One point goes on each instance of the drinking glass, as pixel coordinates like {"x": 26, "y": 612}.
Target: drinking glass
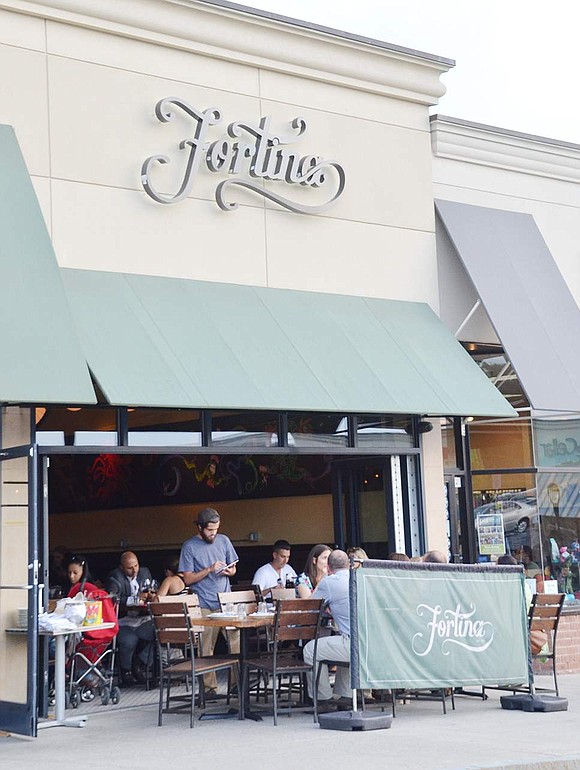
{"x": 230, "y": 608}
{"x": 242, "y": 611}
{"x": 262, "y": 608}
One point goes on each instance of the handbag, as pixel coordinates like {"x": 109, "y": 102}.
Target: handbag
{"x": 537, "y": 641}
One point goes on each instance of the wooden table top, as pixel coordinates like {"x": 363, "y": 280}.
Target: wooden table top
{"x": 232, "y": 621}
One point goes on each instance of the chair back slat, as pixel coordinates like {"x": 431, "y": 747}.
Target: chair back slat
{"x": 297, "y": 619}
{"x": 306, "y": 633}
{"x": 541, "y": 611}
{"x": 238, "y": 597}
{"x": 283, "y": 593}
{"x": 173, "y": 624}
{"x": 173, "y": 636}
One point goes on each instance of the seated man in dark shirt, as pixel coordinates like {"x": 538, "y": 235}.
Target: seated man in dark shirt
{"x": 126, "y": 582}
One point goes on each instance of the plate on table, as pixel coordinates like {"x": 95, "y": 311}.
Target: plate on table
{"x": 263, "y": 614}
{"x": 222, "y": 615}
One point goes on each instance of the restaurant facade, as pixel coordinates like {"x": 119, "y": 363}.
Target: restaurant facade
{"x": 243, "y": 267}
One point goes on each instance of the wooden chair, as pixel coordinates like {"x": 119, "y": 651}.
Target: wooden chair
{"x": 544, "y": 615}
{"x": 173, "y": 627}
{"x": 238, "y": 597}
{"x": 283, "y": 593}
{"x": 295, "y": 620}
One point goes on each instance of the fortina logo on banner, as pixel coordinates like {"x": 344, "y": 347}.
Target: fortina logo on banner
{"x": 254, "y": 151}
{"x": 452, "y": 627}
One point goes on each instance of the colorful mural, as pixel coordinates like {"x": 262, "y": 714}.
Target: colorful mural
{"x": 106, "y": 481}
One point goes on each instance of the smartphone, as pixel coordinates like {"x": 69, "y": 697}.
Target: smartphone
{"x": 227, "y": 566}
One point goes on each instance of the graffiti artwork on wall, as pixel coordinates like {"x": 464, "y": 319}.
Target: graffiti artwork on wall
{"x": 106, "y": 481}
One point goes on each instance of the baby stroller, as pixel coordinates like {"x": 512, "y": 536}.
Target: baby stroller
{"x": 91, "y": 667}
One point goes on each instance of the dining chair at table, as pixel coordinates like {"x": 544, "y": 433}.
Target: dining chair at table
{"x": 296, "y": 620}
{"x": 174, "y": 629}
{"x": 283, "y": 593}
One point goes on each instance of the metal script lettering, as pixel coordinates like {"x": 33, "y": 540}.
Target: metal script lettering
{"x": 254, "y": 152}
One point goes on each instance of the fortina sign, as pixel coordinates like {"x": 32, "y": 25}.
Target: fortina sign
{"x": 252, "y": 152}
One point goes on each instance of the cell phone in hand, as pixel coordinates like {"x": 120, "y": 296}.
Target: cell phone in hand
{"x": 223, "y": 569}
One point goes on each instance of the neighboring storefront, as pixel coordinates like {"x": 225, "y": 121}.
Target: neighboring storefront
{"x": 508, "y": 255}
{"x": 234, "y": 292}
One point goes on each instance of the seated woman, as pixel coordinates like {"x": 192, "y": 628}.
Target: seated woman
{"x": 314, "y": 570}
{"x": 92, "y": 643}
{"x": 173, "y": 583}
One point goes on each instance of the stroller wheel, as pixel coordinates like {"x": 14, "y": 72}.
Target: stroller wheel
{"x": 87, "y": 695}
{"x": 105, "y": 696}
{"x": 115, "y": 695}
{"x": 74, "y": 699}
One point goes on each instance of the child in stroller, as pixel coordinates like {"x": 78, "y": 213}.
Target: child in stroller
{"x": 91, "y": 665}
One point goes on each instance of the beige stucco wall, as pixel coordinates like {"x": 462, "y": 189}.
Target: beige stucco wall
{"x": 82, "y": 95}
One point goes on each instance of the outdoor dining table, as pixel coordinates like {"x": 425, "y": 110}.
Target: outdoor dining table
{"x": 60, "y": 676}
{"x": 246, "y": 624}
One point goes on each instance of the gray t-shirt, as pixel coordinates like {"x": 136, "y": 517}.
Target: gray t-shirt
{"x": 334, "y": 590}
{"x": 196, "y": 554}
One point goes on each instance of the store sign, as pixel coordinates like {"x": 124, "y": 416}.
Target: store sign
{"x": 557, "y": 443}
{"x": 247, "y": 154}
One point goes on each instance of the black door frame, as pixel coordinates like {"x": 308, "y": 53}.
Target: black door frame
{"x": 344, "y": 489}
{"x": 22, "y": 718}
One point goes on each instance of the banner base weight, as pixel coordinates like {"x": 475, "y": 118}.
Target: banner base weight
{"x": 355, "y": 720}
{"x": 534, "y": 703}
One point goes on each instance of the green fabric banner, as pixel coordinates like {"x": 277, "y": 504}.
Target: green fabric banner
{"x": 437, "y": 625}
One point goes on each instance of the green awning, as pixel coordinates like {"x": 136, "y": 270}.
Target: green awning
{"x": 169, "y": 342}
{"x": 41, "y": 359}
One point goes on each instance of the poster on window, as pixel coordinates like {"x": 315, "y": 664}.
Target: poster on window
{"x": 490, "y": 534}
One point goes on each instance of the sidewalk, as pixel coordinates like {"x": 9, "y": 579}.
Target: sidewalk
{"x": 476, "y": 735}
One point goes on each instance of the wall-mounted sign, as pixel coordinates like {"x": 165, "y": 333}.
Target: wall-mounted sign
{"x": 247, "y": 154}
{"x": 557, "y": 443}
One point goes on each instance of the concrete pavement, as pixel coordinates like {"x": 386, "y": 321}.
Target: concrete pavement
{"x": 476, "y": 735}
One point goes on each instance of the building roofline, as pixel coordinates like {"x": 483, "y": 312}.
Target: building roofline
{"x": 308, "y": 25}
{"x": 502, "y": 131}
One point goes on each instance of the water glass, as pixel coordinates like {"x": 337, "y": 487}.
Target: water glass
{"x": 230, "y": 608}
{"x": 242, "y": 611}
{"x": 262, "y": 608}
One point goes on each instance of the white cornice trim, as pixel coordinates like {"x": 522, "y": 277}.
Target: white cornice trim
{"x": 500, "y": 148}
{"x": 265, "y": 41}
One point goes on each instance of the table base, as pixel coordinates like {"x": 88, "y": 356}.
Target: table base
{"x": 79, "y": 721}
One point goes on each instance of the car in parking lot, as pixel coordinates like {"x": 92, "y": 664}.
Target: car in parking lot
{"x": 518, "y": 515}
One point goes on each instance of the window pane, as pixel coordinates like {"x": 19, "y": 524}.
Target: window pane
{"x": 513, "y": 495}
{"x": 85, "y": 425}
{"x": 559, "y": 508}
{"x": 251, "y": 429}
{"x": 384, "y": 430}
{"x": 317, "y": 429}
{"x": 501, "y": 444}
{"x": 164, "y": 427}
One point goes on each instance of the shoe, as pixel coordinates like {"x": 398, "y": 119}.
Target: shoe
{"x": 326, "y": 706}
{"x": 126, "y": 679}
{"x": 343, "y": 704}
{"x": 139, "y": 672}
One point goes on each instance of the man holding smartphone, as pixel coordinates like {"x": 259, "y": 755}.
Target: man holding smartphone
{"x": 207, "y": 561}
